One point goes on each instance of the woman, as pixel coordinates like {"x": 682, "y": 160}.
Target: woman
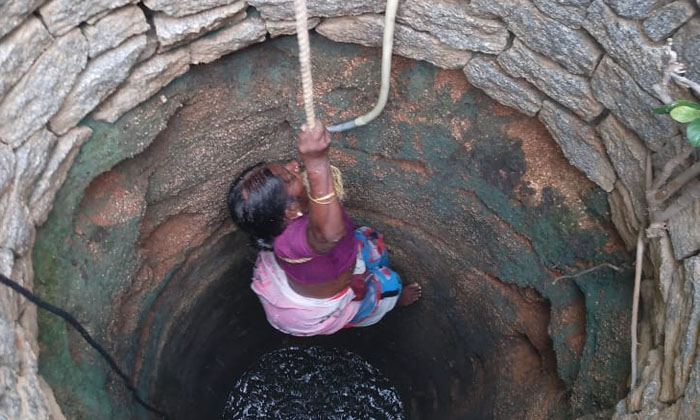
{"x": 314, "y": 274}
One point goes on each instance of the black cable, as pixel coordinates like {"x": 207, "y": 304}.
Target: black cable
{"x": 78, "y": 327}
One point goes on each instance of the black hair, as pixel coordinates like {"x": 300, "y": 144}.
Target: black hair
{"x": 257, "y": 201}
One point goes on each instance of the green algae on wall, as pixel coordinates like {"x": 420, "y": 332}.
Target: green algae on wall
{"x": 449, "y": 175}
{"x": 71, "y": 273}
{"x": 560, "y": 240}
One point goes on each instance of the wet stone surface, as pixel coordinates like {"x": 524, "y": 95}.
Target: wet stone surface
{"x": 477, "y": 203}
{"x": 313, "y": 383}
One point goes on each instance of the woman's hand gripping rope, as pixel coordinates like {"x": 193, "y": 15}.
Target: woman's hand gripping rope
{"x": 314, "y": 143}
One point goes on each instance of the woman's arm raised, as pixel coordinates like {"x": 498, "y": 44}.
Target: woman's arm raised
{"x": 326, "y": 225}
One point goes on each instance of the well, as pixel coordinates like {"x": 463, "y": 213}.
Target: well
{"x": 477, "y": 200}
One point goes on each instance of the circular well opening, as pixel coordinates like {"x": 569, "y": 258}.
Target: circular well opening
{"x": 476, "y": 202}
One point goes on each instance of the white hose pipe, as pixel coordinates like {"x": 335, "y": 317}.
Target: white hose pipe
{"x": 387, "y": 48}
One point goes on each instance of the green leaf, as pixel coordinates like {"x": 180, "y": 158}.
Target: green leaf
{"x": 692, "y": 131}
{"x": 665, "y": 109}
{"x": 684, "y": 114}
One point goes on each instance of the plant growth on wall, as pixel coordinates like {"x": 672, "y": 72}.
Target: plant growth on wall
{"x": 676, "y": 186}
{"x": 685, "y": 112}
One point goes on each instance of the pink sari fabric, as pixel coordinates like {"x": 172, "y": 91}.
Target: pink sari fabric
{"x": 295, "y": 314}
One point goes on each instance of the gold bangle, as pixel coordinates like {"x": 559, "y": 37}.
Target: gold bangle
{"x": 294, "y": 261}
{"x": 326, "y": 199}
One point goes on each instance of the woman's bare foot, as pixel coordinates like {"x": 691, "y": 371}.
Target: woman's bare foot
{"x": 410, "y": 294}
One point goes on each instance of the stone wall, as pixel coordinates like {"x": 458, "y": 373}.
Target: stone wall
{"x": 586, "y": 69}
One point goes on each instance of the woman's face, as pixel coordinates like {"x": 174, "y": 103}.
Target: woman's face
{"x": 290, "y": 172}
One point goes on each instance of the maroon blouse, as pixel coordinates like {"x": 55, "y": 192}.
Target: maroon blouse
{"x": 302, "y": 264}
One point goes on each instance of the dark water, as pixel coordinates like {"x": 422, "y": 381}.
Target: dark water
{"x": 313, "y": 383}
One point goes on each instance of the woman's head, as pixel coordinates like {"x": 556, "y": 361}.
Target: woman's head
{"x": 264, "y": 198}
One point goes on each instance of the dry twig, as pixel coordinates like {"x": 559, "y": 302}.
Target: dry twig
{"x": 670, "y": 166}
{"x": 657, "y": 197}
{"x": 659, "y": 190}
{"x": 588, "y": 270}
{"x": 635, "y": 304}
{"x": 683, "y": 81}
{"x": 686, "y": 199}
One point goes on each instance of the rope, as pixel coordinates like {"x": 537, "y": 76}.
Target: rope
{"x": 305, "y": 61}
{"x": 83, "y": 332}
{"x": 301, "y": 16}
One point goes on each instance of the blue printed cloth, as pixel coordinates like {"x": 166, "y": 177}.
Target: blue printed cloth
{"x": 383, "y": 284}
